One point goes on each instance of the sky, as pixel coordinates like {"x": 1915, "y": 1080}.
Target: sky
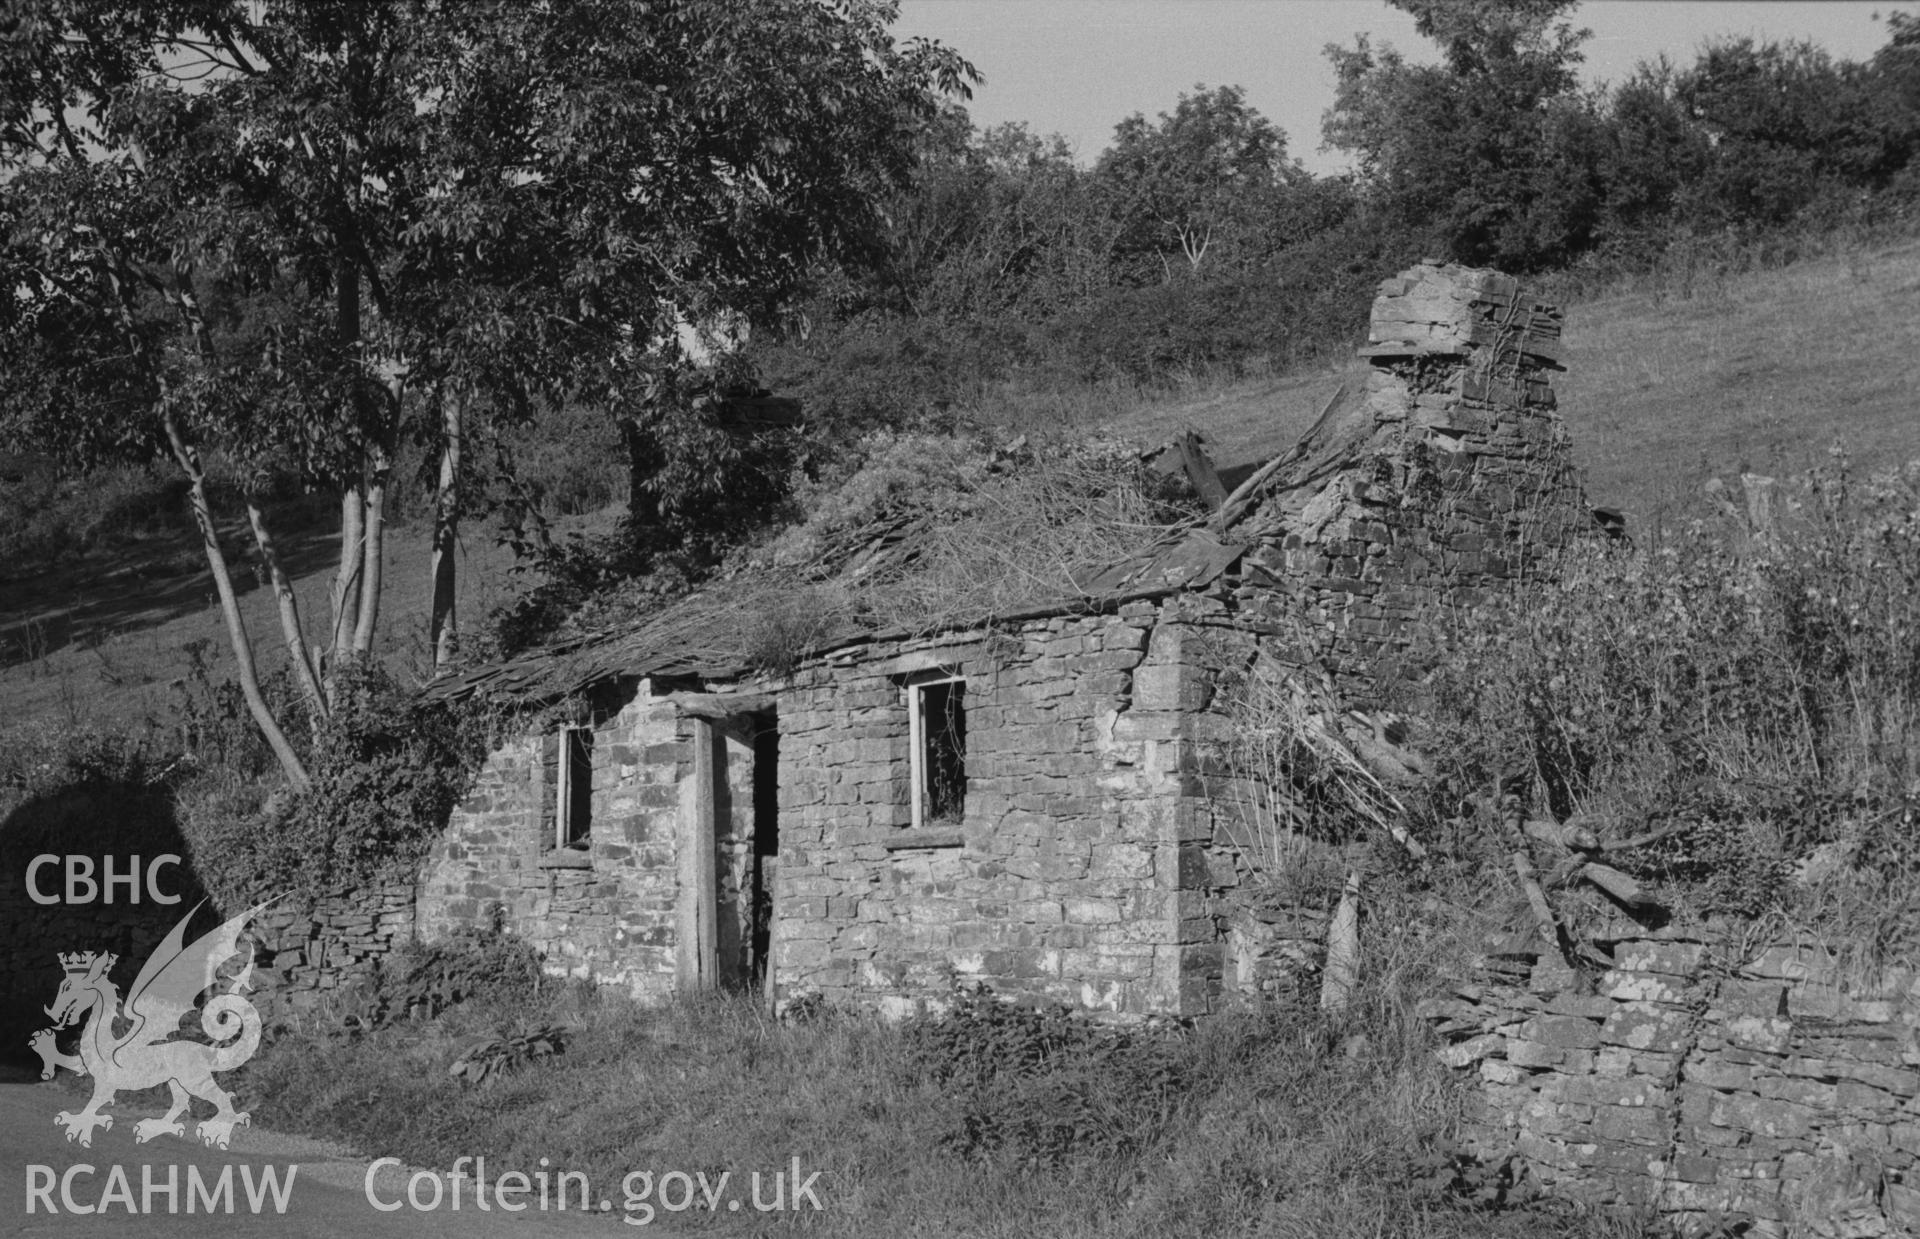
{"x": 1077, "y": 67}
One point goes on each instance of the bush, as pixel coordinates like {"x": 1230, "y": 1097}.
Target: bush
{"x": 387, "y": 770}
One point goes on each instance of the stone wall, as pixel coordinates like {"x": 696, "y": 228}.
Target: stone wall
{"x": 1702, "y": 1079}
{"x": 608, "y": 913}
{"x": 1070, "y": 876}
{"x": 304, "y": 953}
{"x": 1447, "y": 477}
{"x": 1258, "y": 893}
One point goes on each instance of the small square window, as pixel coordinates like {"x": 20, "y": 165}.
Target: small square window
{"x": 937, "y": 712}
{"x": 567, "y": 805}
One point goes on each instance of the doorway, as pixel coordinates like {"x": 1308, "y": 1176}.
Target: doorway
{"x": 730, "y": 850}
{"x": 765, "y": 860}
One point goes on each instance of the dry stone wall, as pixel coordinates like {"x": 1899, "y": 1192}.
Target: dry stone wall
{"x": 305, "y": 953}
{"x": 1704, "y": 1080}
{"x": 304, "y": 950}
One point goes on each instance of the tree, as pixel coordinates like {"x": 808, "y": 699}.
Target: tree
{"x": 1655, "y": 156}
{"x": 122, "y": 336}
{"x": 1787, "y": 123}
{"x": 1494, "y": 150}
{"x": 447, "y": 208}
{"x": 693, "y": 169}
{"x": 1198, "y": 182}
{"x": 1000, "y": 224}
{"x": 1896, "y": 76}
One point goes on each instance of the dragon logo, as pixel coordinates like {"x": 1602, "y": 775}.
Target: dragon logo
{"x": 149, "y": 1051}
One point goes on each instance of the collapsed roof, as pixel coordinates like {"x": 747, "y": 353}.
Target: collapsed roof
{"x": 1450, "y": 461}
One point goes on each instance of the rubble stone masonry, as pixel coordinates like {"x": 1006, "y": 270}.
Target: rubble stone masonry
{"x": 1448, "y": 477}
{"x": 1704, "y": 1079}
{"x": 608, "y": 913}
{"x": 1064, "y": 878}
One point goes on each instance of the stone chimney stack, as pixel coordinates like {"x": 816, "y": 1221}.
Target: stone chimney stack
{"x": 1448, "y": 476}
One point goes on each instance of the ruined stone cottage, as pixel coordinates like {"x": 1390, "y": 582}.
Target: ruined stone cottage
{"x": 1026, "y": 803}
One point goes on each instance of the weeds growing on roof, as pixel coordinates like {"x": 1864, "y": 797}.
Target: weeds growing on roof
{"x": 929, "y": 532}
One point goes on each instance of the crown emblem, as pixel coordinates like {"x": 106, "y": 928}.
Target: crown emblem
{"x": 81, "y": 961}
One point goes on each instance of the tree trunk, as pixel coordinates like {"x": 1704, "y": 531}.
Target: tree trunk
{"x": 349, "y": 583}
{"x": 443, "y": 632}
{"x": 188, "y": 458}
{"x": 189, "y": 461}
{"x": 290, "y": 629}
{"x": 373, "y": 544}
{"x": 346, "y": 591}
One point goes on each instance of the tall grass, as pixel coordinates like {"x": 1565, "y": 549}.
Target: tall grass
{"x": 1751, "y": 691}
{"x": 996, "y": 1121}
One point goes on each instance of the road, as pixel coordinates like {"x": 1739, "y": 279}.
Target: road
{"x": 327, "y": 1196}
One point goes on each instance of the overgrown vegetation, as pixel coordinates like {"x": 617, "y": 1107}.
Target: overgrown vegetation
{"x": 1748, "y": 694}
{"x": 388, "y": 768}
{"x": 1299, "y": 784}
{"x": 1000, "y": 1120}
{"x": 913, "y": 531}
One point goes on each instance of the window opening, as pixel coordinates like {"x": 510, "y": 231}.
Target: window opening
{"x": 569, "y": 761}
{"x": 938, "y": 712}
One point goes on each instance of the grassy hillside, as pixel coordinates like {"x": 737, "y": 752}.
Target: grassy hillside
{"x": 1760, "y": 371}
{"x": 106, "y": 635}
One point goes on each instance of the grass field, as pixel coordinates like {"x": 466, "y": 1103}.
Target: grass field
{"x": 105, "y": 637}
